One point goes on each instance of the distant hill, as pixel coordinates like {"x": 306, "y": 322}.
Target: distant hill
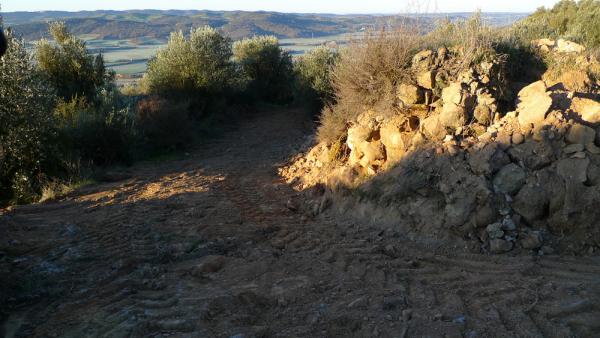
{"x": 158, "y": 24}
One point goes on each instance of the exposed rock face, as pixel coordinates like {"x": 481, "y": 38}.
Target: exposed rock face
{"x": 464, "y": 165}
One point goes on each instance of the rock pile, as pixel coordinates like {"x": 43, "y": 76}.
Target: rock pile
{"x": 527, "y": 179}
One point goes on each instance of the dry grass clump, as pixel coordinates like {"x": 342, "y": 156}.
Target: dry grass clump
{"x": 472, "y": 39}
{"x": 371, "y": 68}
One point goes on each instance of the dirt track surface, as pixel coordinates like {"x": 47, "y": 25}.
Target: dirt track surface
{"x": 206, "y": 247}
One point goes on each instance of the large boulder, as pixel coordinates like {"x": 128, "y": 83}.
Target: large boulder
{"x": 533, "y": 104}
{"x": 423, "y": 60}
{"x": 432, "y": 128}
{"x": 453, "y": 116}
{"x": 532, "y": 154}
{"x": 588, "y": 109}
{"x": 531, "y": 202}
{"x": 573, "y": 169}
{"x": 357, "y": 135}
{"x": 395, "y": 141}
{"x": 373, "y": 154}
{"x": 488, "y": 160}
{"x": 510, "y": 179}
{"x": 410, "y": 94}
{"x": 580, "y": 134}
{"x": 565, "y": 46}
{"x": 454, "y": 94}
{"x": 426, "y": 79}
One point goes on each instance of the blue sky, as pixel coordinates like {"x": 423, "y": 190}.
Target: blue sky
{"x": 298, "y": 6}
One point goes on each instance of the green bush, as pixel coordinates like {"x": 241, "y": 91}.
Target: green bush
{"x": 314, "y": 72}
{"x": 101, "y": 135}
{"x": 573, "y": 20}
{"x": 267, "y": 69}
{"x": 164, "y": 125}
{"x": 71, "y": 69}
{"x": 27, "y": 135}
{"x": 200, "y": 65}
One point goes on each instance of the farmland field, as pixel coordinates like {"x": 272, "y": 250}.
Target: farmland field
{"x": 129, "y": 57}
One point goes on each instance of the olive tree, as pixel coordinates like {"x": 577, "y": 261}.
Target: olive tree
{"x": 200, "y": 63}
{"x": 26, "y": 124}
{"x": 267, "y": 69}
{"x": 69, "y": 66}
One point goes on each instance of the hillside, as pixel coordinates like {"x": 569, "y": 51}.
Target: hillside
{"x": 237, "y": 24}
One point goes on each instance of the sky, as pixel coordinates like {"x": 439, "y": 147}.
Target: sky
{"x": 290, "y": 6}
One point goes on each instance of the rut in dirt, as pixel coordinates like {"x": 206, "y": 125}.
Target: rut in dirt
{"x": 213, "y": 246}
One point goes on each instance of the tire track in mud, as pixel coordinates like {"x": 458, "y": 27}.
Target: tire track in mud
{"x": 206, "y": 247}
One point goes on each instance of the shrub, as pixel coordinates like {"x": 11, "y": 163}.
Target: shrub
{"x": 164, "y": 125}
{"x": 69, "y": 67}
{"x": 574, "y": 20}
{"x": 200, "y": 65}
{"x": 369, "y": 70}
{"x": 314, "y": 72}
{"x": 472, "y": 38}
{"x": 26, "y": 125}
{"x": 101, "y": 135}
{"x": 267, "y": 69}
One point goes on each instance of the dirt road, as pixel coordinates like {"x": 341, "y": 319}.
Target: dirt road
{"x": 206, "y": 247}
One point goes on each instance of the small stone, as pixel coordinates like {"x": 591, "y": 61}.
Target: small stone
{"x": 494, "y": 230}
{"x": 581, "y": 134}
{"x": 592, "y": 148}
{"x": 579, "y": 155}
{"x": 498, "y": 246}
{"x": 532, "y": 240}
{"x": 359, "y": 303}
{"x": 453, "y": 150}
{"x": 573, "y": 148}
{"x": 518, "y": 138}
{"x": 211, "y": 264}
{"x": 393, "y": 303}
{"x": 407, "y": 315}
{"x": 391, "y": 251}
{"x": 508, "y": 224}
{"x": 547, "y": 250}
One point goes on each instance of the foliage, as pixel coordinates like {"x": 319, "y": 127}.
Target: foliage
{"x": 367, "y": 74}
{"x": 26, "y": 125}
{"x": 71, "y": 69}
{"x": 314, "y": 71}
{"x": 100, "y": 135}
{"x": 267, "y": 69}
{"x": 164, "y": 125}
{"x": 574, "y": 20}
{"x": 200, "y": 64}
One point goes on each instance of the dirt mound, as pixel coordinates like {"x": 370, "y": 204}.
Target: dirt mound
{"x": 452, "y": 163}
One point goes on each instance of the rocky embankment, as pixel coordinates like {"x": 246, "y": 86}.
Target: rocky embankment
{"x": 507, "y": 167}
